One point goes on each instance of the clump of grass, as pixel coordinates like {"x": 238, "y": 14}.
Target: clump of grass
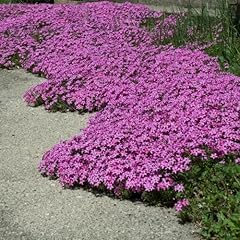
{"x": 215, "y": 31}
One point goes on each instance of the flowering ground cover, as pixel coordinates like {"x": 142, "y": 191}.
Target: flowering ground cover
{"x": 159, "y": 108}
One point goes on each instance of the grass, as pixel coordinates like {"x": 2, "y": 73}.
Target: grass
{"x": 217, "y": 32}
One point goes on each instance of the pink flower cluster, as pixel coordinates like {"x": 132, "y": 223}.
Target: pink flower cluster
{"x": 181, "y": 204}
{"x": 156, "y": 105}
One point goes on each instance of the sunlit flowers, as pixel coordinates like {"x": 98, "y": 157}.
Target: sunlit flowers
{"x": 156, "y": 106}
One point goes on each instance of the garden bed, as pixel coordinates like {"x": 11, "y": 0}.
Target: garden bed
{"x": 167, "y": 113}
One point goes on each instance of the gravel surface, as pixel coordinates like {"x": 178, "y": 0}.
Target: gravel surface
{"x": 33, "y": 207}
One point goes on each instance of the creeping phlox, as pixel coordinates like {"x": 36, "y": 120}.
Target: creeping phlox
{"x": 157, "y": 107}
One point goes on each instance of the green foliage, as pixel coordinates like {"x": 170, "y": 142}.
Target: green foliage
{"x": 206, "y": 27}
{"x": 15, "y": 59}
{"x": 162, "y": 198}
{"x": 201, "y": 25}
{"x": 126, "y": 194}
{"x": 38, "y": 102}
{"x": 60, "y": 105}
{"x": 10, "y": 1}
{"x": 227, "y": 55}
{"x": 213, "y": 189}
{"x": 37, "y": 37}
{"x": 150, "y": 22}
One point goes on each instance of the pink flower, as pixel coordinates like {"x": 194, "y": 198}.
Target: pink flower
{"x": 179, "y": 188}
{"x": 152, "y": 104}
{"x": 237, "y": 160}
{"x": 181, "y": 204}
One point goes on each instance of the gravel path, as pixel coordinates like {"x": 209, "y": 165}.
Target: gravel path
{"x": 35, "y": 208}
